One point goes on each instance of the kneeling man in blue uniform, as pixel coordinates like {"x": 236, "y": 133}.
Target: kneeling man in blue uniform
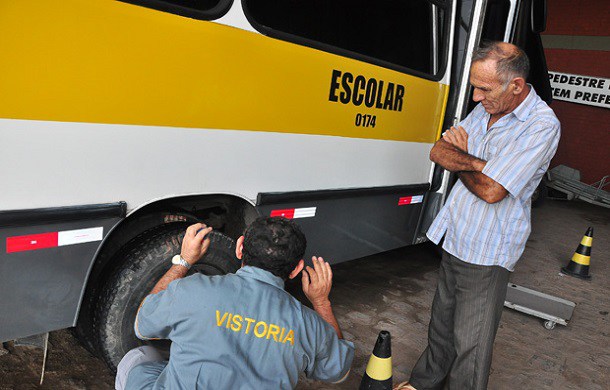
{"x": 242, "y": 330}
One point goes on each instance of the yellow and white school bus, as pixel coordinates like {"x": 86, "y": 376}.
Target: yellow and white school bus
{"x": 121, "y": 122}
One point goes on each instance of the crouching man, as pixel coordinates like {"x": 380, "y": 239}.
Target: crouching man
{"x": 242, "y": 330}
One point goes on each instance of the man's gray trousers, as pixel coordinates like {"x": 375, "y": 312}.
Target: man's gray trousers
{"x": 466, "y": 312}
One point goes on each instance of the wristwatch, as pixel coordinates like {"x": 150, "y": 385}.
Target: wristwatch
{"x": 178, "y": 260}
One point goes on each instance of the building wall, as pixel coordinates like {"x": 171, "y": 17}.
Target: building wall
{"x": 577, "y": 41}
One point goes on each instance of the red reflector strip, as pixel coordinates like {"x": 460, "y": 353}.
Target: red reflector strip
{"x": 303, "y": 212}
{"x": 286, "y": 213}
{"x": 31, "y": 242}
{"x": 51, "y": 240}
{"x": 410, "y": 200}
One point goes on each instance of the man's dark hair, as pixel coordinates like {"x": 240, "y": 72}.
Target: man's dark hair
{"x": 275, "y": 244}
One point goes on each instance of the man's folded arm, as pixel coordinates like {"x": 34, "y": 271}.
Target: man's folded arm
{"x": 483, "y": 186}
{"x": 454, "y": 159}
{"x": 469, "y": 169}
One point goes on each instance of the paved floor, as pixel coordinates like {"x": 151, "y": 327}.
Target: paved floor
{"x": 394, "y": 290}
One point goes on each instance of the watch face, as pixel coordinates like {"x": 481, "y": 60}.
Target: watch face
{"x": 178, "y": 260}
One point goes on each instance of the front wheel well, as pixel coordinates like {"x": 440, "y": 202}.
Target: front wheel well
{"x": 228, "y": 214}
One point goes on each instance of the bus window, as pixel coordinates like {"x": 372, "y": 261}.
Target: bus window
{"x": 198, "y": 9}
{"x": 395, "y": 34}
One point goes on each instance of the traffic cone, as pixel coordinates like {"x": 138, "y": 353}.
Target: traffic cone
{"x": 378, "y": 375}
{"x": 579, "y": 265}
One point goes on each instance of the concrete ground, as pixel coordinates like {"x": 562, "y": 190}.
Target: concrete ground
{"x": 393, "y": 291}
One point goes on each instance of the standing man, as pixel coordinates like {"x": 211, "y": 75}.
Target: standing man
{"x": 499, "y": 153}
{"x": 242, "y": 330}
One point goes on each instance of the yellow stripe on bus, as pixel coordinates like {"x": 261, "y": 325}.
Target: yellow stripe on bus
{"x": 104, "y": 61}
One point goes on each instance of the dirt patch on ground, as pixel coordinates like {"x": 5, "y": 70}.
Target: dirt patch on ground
{"x": 69, "y": 366}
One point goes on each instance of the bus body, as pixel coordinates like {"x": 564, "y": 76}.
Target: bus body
{"x": 117, "y": 117}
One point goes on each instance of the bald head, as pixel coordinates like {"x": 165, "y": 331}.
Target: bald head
{"x": 510, "y": 60}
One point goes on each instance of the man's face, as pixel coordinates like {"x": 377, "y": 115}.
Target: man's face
{"x": 489, "y": 90}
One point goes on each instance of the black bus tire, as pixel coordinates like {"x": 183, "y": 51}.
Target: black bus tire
{"x": 146, "y": 259}
{"x": 84, "y": 326}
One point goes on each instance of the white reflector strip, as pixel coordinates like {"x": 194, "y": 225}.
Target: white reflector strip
{"x": 305, "y": 212}
{"x": 417, "y": 199}
{"x": 80, "y": 236}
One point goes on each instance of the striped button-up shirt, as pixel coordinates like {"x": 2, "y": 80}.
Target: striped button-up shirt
{"x": 518, "y": 149}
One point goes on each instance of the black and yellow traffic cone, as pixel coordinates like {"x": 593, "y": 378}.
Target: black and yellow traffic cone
{"x": 378, "y": 375}
{"x": 579, "y": 265}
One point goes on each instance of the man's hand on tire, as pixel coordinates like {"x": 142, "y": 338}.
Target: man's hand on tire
{"x": 195, "y": 244}
{"x": 317, "y": 282}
